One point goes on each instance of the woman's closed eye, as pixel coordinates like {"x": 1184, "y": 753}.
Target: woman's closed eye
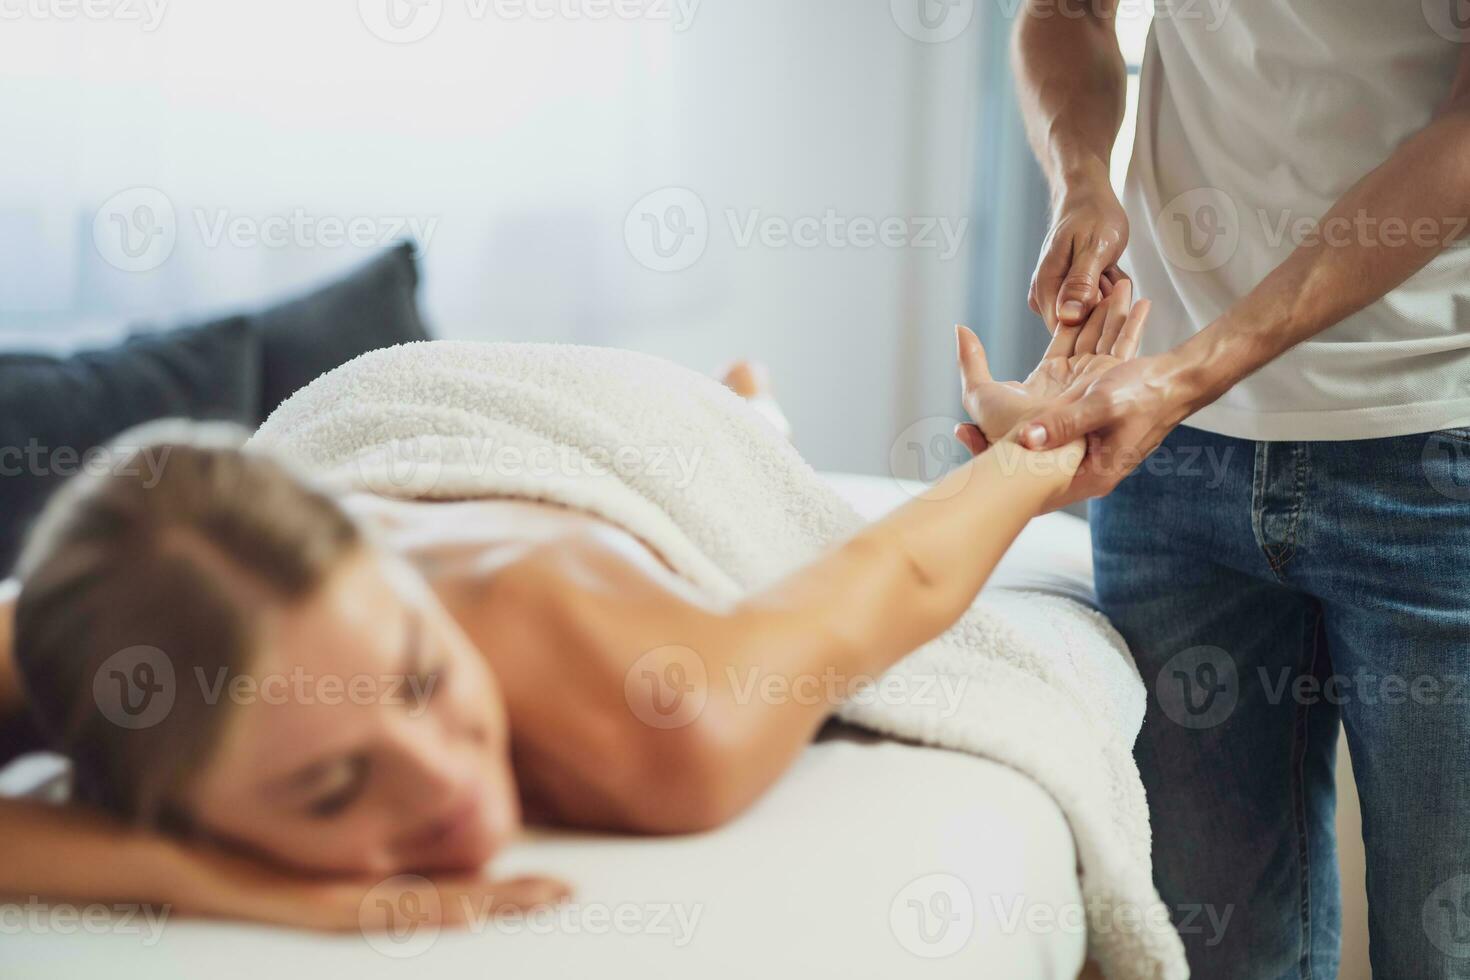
{"x": 342, "y": 785}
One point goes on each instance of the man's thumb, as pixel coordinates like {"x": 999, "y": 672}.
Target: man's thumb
{"x": 1061, "y": 424}
{"x": 1080, "y": 291}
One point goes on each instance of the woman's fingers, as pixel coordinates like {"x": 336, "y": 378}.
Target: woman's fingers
{"x": 1126, "y": 347}
{"x": 1063, "y": 342}
{"x": 1092, "y": 330}
{"x": 1117, "y": 315}
{"x": 974, "y": 367}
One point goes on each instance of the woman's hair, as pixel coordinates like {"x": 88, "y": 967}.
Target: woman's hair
{"x": 142, "y": 589}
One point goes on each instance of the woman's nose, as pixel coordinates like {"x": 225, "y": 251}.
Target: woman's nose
{"x": 430, "y": 767}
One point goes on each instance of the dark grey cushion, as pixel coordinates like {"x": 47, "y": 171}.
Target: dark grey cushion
{"x": 374, "y": 306}
{"x": 53, "y": 411}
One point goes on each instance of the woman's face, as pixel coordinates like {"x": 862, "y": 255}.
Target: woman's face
{"x": 369, "y": 737}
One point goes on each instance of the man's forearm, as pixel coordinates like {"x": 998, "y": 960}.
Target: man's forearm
{"x": 1379, "y": 233}
{"x": 1072, "y": 84}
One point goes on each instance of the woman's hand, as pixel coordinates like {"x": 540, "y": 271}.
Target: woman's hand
{"x": 1076, "y": 356}
{"x": 221, "y": 885}
{"x": 69, "y": 853}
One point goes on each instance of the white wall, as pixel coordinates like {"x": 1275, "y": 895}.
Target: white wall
{"x": 519, "y": 145}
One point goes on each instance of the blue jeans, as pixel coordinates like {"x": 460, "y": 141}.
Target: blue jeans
{"x": 1270, "y": 591}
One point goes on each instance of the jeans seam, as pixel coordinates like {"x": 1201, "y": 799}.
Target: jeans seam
{"x": 1312, "y": 650}
{"x": 1293, "y": 524}
{"x": 1258, "y": 501}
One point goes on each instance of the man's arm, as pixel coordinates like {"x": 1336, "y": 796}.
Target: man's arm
{"x": 1072, "y": 84}
{"x": 1385, "y": 228}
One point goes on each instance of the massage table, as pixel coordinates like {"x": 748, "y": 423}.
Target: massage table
{"x": 870, "y": 858}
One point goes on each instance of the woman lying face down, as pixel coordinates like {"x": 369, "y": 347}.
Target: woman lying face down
{"x": 327, "y": 712}
{"x": 360, "y": 687}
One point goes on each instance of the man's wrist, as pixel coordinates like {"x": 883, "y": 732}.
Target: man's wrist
{"x": 1204, "y": 367}
{"x": 1079, "y": 173}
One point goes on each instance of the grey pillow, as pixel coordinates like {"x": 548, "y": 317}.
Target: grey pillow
{"x": 54, "y": 410}
{"x": 374, "y": 306}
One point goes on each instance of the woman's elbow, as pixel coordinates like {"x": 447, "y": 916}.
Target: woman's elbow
{"x": 696, "y": 777}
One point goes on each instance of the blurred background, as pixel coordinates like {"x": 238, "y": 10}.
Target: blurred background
{"x": 834, "y": 184}
{"x": 823, "y": 185}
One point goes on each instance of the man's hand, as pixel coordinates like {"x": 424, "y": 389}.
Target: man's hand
{"x": 1088, "y": 233}
{"x": 1076, "y": 356}
{"x": 1124, "y": 413}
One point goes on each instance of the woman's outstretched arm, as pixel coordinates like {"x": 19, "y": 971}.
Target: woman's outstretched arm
{"x": 686, "y": 714}
{"x": 759, "y": 679}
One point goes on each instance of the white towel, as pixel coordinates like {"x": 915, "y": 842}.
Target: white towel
{"x": 684, "y": 464}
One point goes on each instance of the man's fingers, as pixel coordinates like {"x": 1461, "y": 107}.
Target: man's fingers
{"x": 1060, "y": 424}
{"x": 970, "y": 436}
{"x": 1118, "y": 309}
{"x": 1046, "y": 281}
{"x": 1079, "y": 291}
{"x": 1131, "y": 333}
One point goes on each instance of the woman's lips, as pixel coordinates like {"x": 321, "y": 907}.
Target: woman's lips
{"x": 459, "y": 825}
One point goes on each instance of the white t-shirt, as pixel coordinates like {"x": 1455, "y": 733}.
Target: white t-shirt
{"x": 1253, "y": 118}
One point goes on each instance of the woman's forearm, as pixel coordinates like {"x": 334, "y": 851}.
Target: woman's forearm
{"x": 908, "y": 576}
{"x": 841, "y": 620}
{"x": 64, "y": 853}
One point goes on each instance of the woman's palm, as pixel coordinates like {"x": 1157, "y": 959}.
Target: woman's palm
{"x": 1076, "y": 357}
